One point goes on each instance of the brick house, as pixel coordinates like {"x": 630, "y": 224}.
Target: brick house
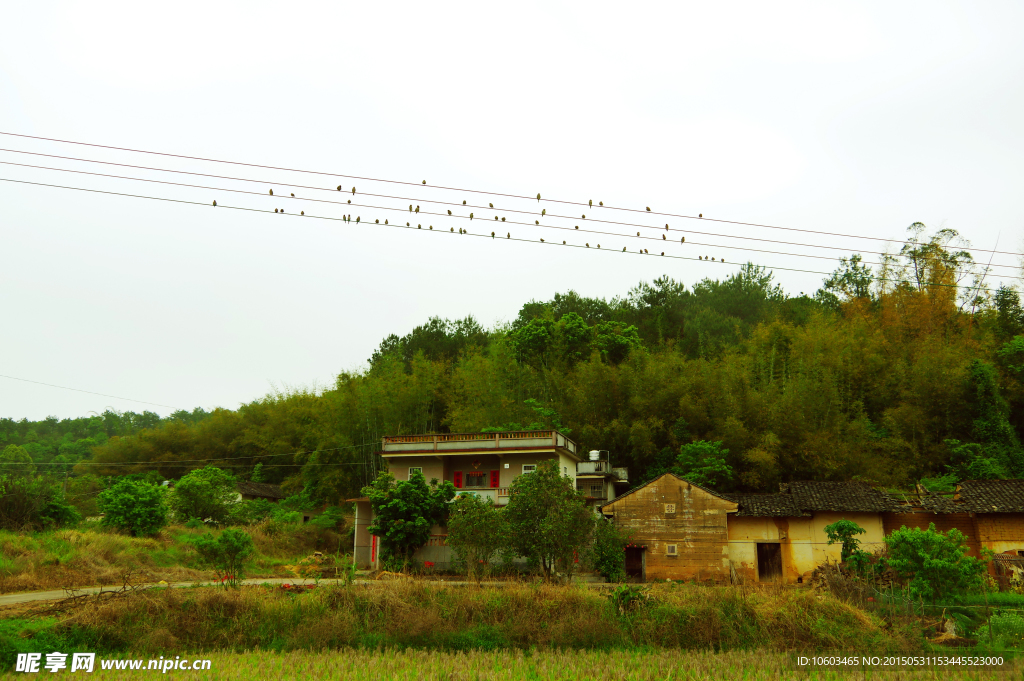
{"x": 680, "y": 530}
{"x": 484, "y": 464}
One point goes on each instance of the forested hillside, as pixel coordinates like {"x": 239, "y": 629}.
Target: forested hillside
{"x": 890, "y": 374}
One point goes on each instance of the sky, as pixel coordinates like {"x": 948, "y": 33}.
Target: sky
{"x": 852, "y": 119}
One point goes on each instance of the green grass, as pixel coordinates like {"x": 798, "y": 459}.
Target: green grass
{"x": 537, "y": 665}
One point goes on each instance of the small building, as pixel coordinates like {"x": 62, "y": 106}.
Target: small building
{"x": 598, "y": 481}
{"x": 248, "y": 491}
{"x": 484, "y": 464}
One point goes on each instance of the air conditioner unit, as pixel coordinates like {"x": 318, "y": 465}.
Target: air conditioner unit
{"x": 672, "y": 549}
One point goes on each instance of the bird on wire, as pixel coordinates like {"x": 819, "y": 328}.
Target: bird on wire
{"x": 339, "y": 187}
{"x": 584, "y": 217}
{"x": 431, "y": 226}
{"x": 666, "y": 226}
{"x": 385, "y": 222}
{"x": 410, "y": 207}
{"x": 536, "y": 222}
{"x": 563, "y": 243}
{"x": 419, "y": 226}
{"x": 491, "y": 205}
{"x": 648, "y": 209}
{"x": 577, "y": 226}
{"x": 407, "y": 224}
{"x": 492, "y": 235}
{"x": 350, "y": 200}
{"x": 663, "y": 252}
{"x": 599, "y": 245}
{"x": 623, "y": 249}
{"x": 353, "y": 191}
{"x": 701, "y": 215}
{"x": 417, "y": 209}
{"x": 664, "y": 238}
{"x": 683, "y": 240}
{"x": 503, "y": 219}
{"x": 304, "y": 212}
{"x": 463, "y": 202}
{"x": 591, "y": 203}
{"x": 449, "y": 212}
{"x": 424, "y": 181}
{"x": 357, "y": 218}
{"x": 470, "y": 216}
{"x": 275, "y": 210}
{"x": 588, "y": 245}
{"x": 376, "y": 222}
{"x": 600, "y": 203}
{"x": 543, "y": 212}
{"x": 495, "y": 218}
{"x": 214, "y": 203}
{"x": 538, "y": 197}
{"x": 542, "y": 240}
{"x": 638, "y": 233}
{"x": 509, "y": 235}
{"x": 271, "y": 192}
{"x": 451, "y": 229}
{"x": 293, "y": 193}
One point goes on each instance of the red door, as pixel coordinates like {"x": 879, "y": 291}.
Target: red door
{"x": 373, "y": 548}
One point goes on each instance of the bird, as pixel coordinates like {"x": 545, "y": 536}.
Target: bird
{"x": 712, "y": 259}
{"x": 431, "y": 226}
{"x": 623, "y": 249}
{"x": 503, "y": 219}
{"x": 495, "y": 218}
{"x": 424, "y": 181}
{"x": 491, "y": 205}
{"x": 645, "y": 250}
{"x": 599, "y": 245}
{"x": 492, "y": 235}
{"x": 353, "y": 191}
{"x": 271, "y": 192}
{"x": 577, "y": 226}
{"x": 543, "y": 212}
{"x": 542, "y": 240}
{"x": 417, "y": 209}
{"x": 385, "y": 222}
{"x": 648, "y": 209}
{"x": 683, "y": 240}
{"x": 293, "y": 193}
{"x": 449, "y": 212}
{"x": 536, "y": 222}
{"x": 407, "y": 224}
{"x": 463, "y": 202}
{"x": 563, "y": 242}
{"x": 721, "y": 260}
{"x": 509, "y": 235}
{"x": 215, "y": 203}
{"x": 470, "y": 216}
{"x": 304, "y": 212}
{"x": 410, "y": 207}
{"x": 591, "y": 203}
{"x": 350, "y": 200}
{"x": 451, "y": 229}
{"x": 600, "y": 203}
{"x": 700, "y": 215}
{"x": 638, "y": 233}
{"x": 538, "y": 197}
{"x": 376, "y": 222}
{"x": 663, "y": 252}
{"x": 588, "y": 245}
{"x": 339, "y": 187}
{"x": 666, "y": 226}
{"x": 275, "y": 210}
{"x": 664, "y": 238}
{"x": 357, "y": 218}
{"x": 584, "y": 217}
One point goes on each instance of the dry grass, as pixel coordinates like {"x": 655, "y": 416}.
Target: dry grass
{"x": 98, "y": 557}
{"x": 505, "y": 665}
{"x": 440, "y": 617}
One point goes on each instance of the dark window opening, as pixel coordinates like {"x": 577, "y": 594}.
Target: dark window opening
{"x": 476, "y": 479}
{"x": 635, "y": 562}
{"x": 769, "y": 562}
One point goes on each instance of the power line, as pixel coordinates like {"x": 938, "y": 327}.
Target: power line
{"x": 443, "y": 203}
{"x": 452, "y": 231}
{"x": 445, "y": 188}
{"x": 79, "y": 390}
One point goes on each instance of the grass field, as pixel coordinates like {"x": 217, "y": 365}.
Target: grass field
{"x": 504, "y": 665}
{"x": 99, "y": 557}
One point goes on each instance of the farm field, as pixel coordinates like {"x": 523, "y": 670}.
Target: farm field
{"x": 506, "y": 665}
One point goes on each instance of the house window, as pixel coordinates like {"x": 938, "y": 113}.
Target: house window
{"x": 596, "y": 490}
{"x": 672, "y": 549}
{"x": 476, "y": 479}
{"x": 415, "y": 470}
{"x": 529, "y": 467}
{"x": 670, "y": 508}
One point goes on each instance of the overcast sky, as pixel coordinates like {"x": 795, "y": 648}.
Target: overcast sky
{"x": 855, "y": 118}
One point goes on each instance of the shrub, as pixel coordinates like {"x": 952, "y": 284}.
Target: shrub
{"x": 844, "y": 532}
{"x": 250, "y": 511}
{"x": 475, "y": 532}
{"x": 607, "y": 553}
{"x": 934, "y": 564}
{"x": 207, "y": 493}
{"x": 134, "y": 507}
{"x": 405, "y": 511}
{"x": 226, "y": 554}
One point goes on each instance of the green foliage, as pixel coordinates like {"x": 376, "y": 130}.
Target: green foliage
{"x": 138, "y": 508}
{"x": 250, "y": 511}
{"x": 547, "y": 520}
{"x": 845, "y": 532}
{"x": 703, "y": 463}
{"x": 405, "y": 511}
{"x": 33, "y": 502}
{"x": 475, "y": 532}
{"x": 207, "y": 493}
{"x": 629, "y": 598}
{"x": 227, "y": 554}
{"x": 935, "y": 564}
{"x": 607, "y": 552}
{"x": 332, "y": 518}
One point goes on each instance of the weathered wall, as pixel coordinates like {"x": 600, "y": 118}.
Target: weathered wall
{"x": 431, "y": 465}
{"x": 802, "y": 540}
{"x": 363, "y": 539}
{"x": 1001, "y": 532}
{"x": 944, "y": 522}
{"x": 698, "y": 527}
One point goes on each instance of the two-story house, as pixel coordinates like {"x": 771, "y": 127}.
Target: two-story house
{"x": 598, "y": 481}
{"x": 482, "y": 463}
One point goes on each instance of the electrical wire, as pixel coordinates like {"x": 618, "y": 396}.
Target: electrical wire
{"x": 445, "y": 203}
{"x": 64, "y": 387}
{"x": 441, "y": 231}
{"x": 472, "y": 191}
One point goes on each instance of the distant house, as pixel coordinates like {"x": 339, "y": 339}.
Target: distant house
{"x": 259, "y": 490}
{"x": 680, "y": 530}
{"x": 484, "y": 464}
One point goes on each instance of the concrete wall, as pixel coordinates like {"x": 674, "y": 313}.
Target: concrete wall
{"x": 698, "y": 528}
{"x": 803, "y": 542}
{"x": 363, "y": 539}
{"x": 1001, "y": 532}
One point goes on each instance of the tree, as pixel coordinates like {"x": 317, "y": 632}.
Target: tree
{"x": 935, "y": 564}
{"x": 703, "y": 463}
{"x": 133, "y": 506}
{"x": 14, "y": 460}
{"x": 475, "y": 532}
{"x": 206, "y": 493}
{"x": 405, "y": 511}
{"x": 226, "y": 554}
{"x": 844, "y": 532}
{"x": 547, "y": 520}
{"x": 607, "y": 552}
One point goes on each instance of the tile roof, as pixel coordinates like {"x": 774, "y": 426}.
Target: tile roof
{"x": 992, "y": 496}
{"x": 767, "y": 505}
{"x": 260, "y": 489}
{"x": 649, "y": 482}
{"x": 850, "y": 496}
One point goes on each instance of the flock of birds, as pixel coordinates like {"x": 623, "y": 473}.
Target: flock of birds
{"x": 508, "y": 235}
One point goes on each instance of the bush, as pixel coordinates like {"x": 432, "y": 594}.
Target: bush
{"x": 607, "y": 554}
{"x": 33, "y": 502}
{"x": 250, "y": 512}
{"x": 226, "y": 554}
{"x": 475, "y": 532}
{"x": 405, "y": 511}
{"x": 935, "y": 564}
{"x": 207, "y": 494}
{"x": 134, "y": 507}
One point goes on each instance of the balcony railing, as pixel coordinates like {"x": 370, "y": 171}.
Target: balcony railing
{"x": 511, "y": 439}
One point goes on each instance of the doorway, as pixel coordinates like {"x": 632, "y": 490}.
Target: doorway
{"x": 769, "y": 562}
{"x": 635, "y": 562}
